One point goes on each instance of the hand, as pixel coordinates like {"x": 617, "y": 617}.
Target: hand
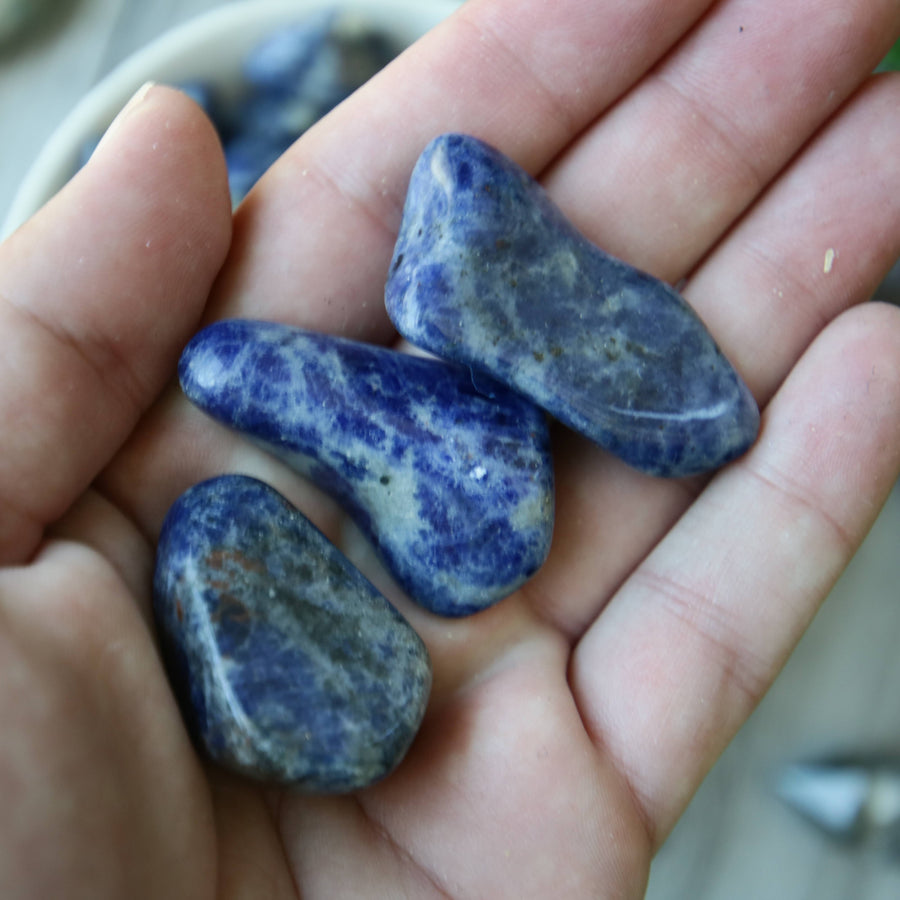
{"x": 728, "y": 144}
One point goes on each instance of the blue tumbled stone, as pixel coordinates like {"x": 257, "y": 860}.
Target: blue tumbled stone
{"x": 275, "y": 117}
{"x": 285, "y": 56}
{"x": 293, "y": 78}
{"x": 348, "y": 56}
{"x": 247, "y": 157}
{"x": 489, "y": 273}
{"x": 312, "y": 65}
{"x": 451, "y": 480}
{"x": 289, "y": 666}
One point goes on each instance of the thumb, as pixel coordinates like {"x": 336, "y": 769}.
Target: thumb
{"x": 98, "y": 293}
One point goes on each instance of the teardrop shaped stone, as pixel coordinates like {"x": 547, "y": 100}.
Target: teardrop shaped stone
{"x": 454, "y": 486}
{"x": 489, "y": 273}
{"x": 289, "y": 666}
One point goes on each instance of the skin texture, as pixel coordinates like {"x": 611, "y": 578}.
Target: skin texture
{"x": 728, "y": 144}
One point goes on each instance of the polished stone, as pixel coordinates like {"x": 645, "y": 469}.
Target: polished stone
{"x": 283, "y": 58}
{"x": 489, "y": 273}
{"x": 294, "y": 77}
{"x": 289, "y": 666}
{"x": 448, "y": 475}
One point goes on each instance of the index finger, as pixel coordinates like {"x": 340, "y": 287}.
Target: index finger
{"x": 318, "y": 230}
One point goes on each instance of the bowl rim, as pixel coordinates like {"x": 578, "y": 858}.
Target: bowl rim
{"x": 245, "y": 23}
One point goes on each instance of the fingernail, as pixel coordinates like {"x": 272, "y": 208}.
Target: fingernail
{"x": 135, "y": 101}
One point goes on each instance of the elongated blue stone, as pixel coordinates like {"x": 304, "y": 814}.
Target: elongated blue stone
{"x": 454, "y": 486}
{"x": 289, "y": 666}
{"x": 488, "y": 272}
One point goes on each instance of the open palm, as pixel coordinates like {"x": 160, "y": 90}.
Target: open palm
{"x": 738, "y": 146}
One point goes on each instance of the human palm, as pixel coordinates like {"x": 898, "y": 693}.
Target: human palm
{"x": 570, "y": 724}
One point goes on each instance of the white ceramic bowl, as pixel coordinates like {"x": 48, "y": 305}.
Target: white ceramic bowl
{"x": 210, "y": 48}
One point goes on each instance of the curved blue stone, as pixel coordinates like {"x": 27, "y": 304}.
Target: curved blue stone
{"x": 451, "y": 480}
{"x": 488, "y": 272}
{"x": 289, "y": 666}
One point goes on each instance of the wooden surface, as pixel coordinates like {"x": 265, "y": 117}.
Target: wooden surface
{"x": 840, "y": 688}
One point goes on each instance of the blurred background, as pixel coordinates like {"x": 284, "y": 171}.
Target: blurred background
{"x": 839, "y": 693}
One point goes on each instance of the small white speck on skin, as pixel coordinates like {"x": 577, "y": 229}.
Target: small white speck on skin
{"x": 830, "y": 256}
{"x": 148, "y": 243}
{"x": 154, "y": 145}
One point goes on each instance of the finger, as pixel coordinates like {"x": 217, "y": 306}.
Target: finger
{"x": 664, "y": 175}
{"x": 687, "y": 647}
{"x": 250, "y": 848}
{"x": 91, "y": 735}
{"x": 97, "y": 294}
{"x": 526, "y": 76}
{"x": 499, "y": 74}
{"x": 92, "y": 521}
{"x": 765, "y": 294}
{"x": 821, "y": 240}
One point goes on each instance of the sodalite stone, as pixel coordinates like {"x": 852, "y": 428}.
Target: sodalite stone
{"x": 283, "y": 59}
{"x": 451, "y": 481}
{"x": 294, "y": 77}
{"x": 289, "y": 666}
{"x": 488, "y": 272}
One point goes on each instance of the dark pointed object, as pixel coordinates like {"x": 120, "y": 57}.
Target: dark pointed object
{"x": 489, "y": 273}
